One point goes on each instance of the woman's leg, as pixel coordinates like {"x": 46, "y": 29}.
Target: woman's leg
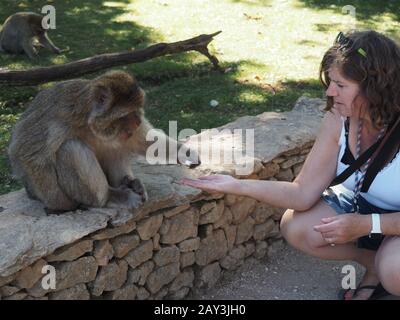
{"x": 297, "y": 229}
{"x": 387, "y": 264}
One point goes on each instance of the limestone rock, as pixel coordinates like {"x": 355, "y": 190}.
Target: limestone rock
{"x": 156, "y": 242}
{"x": 214, "y": 214}
{"x": 78, "y": 292}
{"x": 27, "y": 277}
{"x": 103, "y": 252}
{"x": 28, "y": 234}
{"x": 285, "y": 175}
{"x": 166, "y": 255}
{"x": 182, "y": 226}
{"x": 184, "y": 279}
{"x": 261, "y": 249}
{"x": 261, "y": 231}
{"x": 140, "y": 274}
{"x": 180, "y": 294}
{"x": 292, "y": 161}
{"x": 124, "y": 243}
{"x": 71, "y": 252}
{"x": 187, "y": 259}
{"x": 269, "y": 170}
{"x": 148, "y": 228}
{"x": 142, "y": 294}
{"x": 262, "y": 212}
{"x": 212, "y": 248}
{"x": 230, "y": 199}
{"x": 140, "y": 254}
{"x": 127, "y": 292}
{"x": 244, "y": 230}
{"x": 189, "y": 245}
{"x": 113, "y": 232}
{"x": 208, "y": 276}
{"x": 172, "y": 212}
{"x": 230, "y": 234}
{"x": 242, "y": 209}
{"x": 69, "y": 274}
{"x": 110, "y": 277}
{"x": 162, "y": 276}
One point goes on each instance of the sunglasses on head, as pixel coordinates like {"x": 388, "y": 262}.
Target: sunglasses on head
{"x": 347, "y": 43}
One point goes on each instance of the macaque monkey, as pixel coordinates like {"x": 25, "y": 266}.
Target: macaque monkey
{"x": 73, "y": 145}
{"x": 22, "y": 32}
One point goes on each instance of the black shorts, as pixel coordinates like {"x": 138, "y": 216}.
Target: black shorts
{"x": 341, "y": 200}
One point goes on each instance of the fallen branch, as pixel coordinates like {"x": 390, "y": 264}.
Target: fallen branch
{"x": 89, "y": 65}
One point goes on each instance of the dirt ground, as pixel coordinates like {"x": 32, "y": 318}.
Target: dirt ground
{"x": 287, "y": 274}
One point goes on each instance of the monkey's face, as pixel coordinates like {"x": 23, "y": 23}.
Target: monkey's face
{"x": 117, "y": 117}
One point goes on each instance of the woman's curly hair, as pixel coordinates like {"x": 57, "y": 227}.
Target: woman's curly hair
{"x": 376, "y": 68}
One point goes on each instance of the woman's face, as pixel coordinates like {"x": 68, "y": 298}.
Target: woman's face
{"x": 344, "y": 93}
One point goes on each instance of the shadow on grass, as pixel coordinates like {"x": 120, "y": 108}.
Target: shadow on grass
{"x": 93, "y": 27}
{"x": 365, "y": 10}
{"x": 188, "y": 100}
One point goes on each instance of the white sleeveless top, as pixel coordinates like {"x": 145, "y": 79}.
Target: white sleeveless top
{"x": 384, "y": 191}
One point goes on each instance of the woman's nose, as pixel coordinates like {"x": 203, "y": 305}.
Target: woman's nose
{"x": 331, "y": 91}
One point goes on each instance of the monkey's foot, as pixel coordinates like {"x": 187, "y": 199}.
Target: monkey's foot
{"x": 136, "y": 186}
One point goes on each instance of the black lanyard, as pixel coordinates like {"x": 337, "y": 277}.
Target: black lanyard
{"x": 385, "y": 145}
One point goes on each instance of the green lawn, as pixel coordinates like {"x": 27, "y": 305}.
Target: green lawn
{"x": 272, "y": 49}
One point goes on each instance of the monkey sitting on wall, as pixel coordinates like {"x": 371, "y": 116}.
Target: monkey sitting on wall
{"x": 74, "y": 144}
{"x": 22, "y": 32}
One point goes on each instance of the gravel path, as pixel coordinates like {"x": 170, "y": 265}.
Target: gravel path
{"x": 287, "y": 274}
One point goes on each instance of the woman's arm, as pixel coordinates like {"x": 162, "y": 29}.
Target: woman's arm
{"x": 317, "y": 172}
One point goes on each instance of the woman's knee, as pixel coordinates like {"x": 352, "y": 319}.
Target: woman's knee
{"x": 291, "y": 228}
{"x": 387, "y": 266}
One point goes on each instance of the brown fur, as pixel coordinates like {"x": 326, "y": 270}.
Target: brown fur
{"x": 74, "y": 144}
{"x": 22, "y": 31}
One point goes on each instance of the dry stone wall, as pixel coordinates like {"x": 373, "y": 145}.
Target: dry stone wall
{"x": 182, "y": 240}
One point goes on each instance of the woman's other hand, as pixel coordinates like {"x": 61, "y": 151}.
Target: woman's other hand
{"x": 344, "y": 227}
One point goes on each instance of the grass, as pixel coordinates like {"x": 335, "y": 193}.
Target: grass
{"x": 272, "y": 50}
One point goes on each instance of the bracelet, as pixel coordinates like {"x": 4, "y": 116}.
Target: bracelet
{"x": 376, "y": 223}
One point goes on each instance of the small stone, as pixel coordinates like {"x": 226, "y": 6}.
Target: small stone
{"x": 110, "y": 277}
{"x": 187, "y": 259}
{"x": 149, "y": 227}
{"x": 71, "y": 252}
{"x": 140, "y": 254}
{"x": 113, "y": 232}
{"x": 189, "y": 244}
{"x": 170, "y": 213}
{"x": 208, "y": 276}
{"x": 127, "y": 292}
{"x": 103, "y": 252}
{"x": 28, "y": 276}
{"x": 124, "y": 243}
{"x": 166, "y": 255}
{"x": 162, "y": 276}
{"x": 78, "y": 292}
{"x": 184, "y": 279}
{"x": 142, "y": 294}
{"x": 244, "y": 230}
{"x": 261, "y": 231}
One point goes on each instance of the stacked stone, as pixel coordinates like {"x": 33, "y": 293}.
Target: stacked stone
{"x": 165, "y": 255}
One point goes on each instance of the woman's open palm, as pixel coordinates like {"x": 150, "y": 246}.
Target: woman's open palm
{"x": 213, "y": 183}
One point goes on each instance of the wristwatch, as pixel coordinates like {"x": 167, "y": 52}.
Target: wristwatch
{"x": 376, "y": 224}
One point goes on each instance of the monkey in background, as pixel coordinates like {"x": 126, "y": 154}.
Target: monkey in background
{"x": 73, "y": 145}
{"x": 22, "y": 32}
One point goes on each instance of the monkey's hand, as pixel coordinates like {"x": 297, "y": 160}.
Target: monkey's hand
{"x": 124, "y": 198}
{"x": 135, "y": 185}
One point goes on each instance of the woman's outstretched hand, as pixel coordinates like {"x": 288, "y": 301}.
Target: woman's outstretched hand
{"x": 213, "y": 183}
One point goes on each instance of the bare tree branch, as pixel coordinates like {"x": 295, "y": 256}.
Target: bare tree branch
{"x": 89, "y": 65}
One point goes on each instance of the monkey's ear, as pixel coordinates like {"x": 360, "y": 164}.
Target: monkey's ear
{"x": 102, "y": 98}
